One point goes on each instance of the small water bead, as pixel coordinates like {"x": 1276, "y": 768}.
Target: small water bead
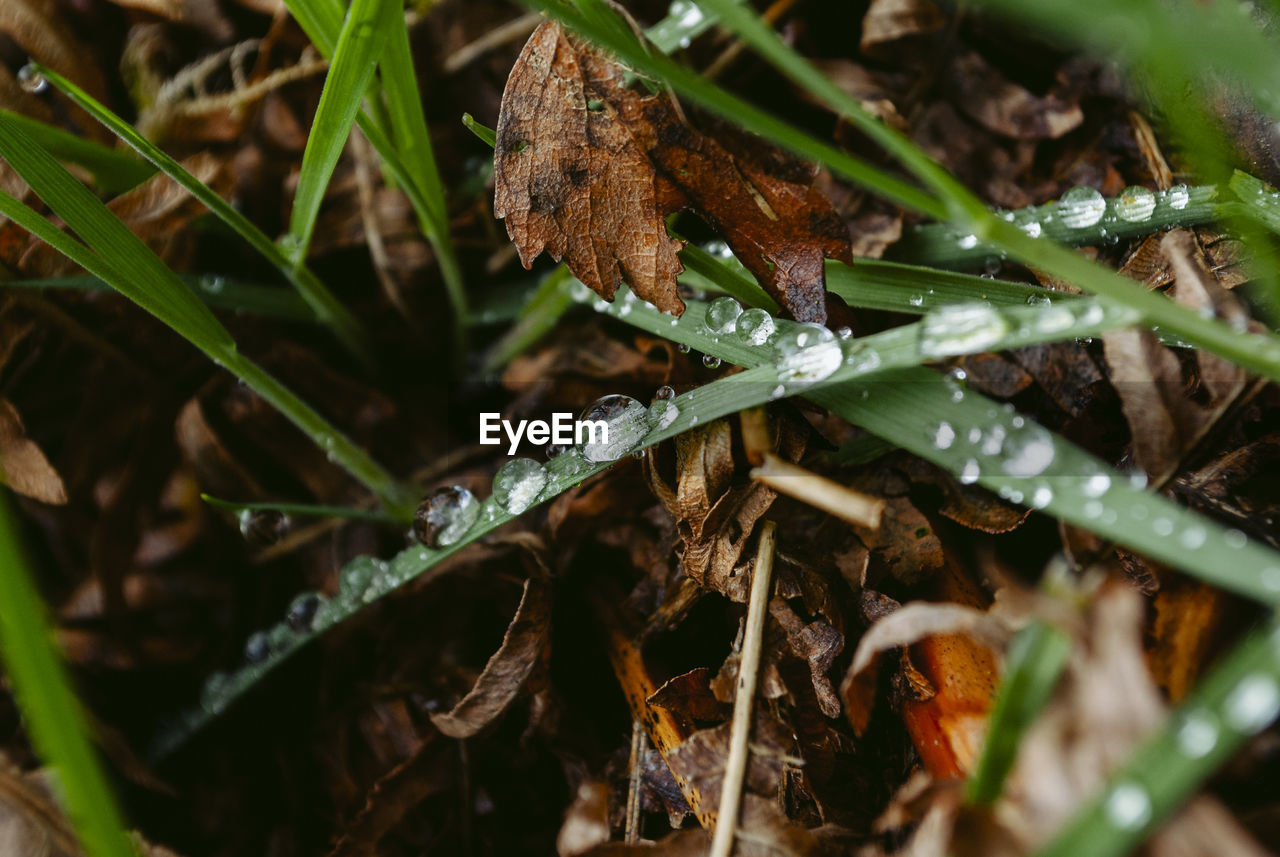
{"x": 1081, "y": 207}
{"x": 1177, "y": 196}
{"x": 263, "y": 527}
{"x": 1192, "y": 538}
{"x": 356, "y": 575}
{"x": 1162, "y": 526}
{"x": 1235, "y": 539}
{"x": 1026, "y": 221}
{"x": 687, "y": 14}
{"x": 711, "y": 361}
{"x": 31, "y": 80}
{"x": 662, "y": 413}
{"x": 844, "y": 332}
{"x": 1197, "y": 734}
{"x": 1038, "y": 300}
{"x": 1135, "y": 204}
{"x": 665, "y": 393}
{"x": 257, "y": 648}
{"x": 1028, "y": 451}
{"x": 863, "y": 359}
{"x": 755, "y": 326}
{"x": 961, "y": 329}
{"x": 302, "y": 611}
{"x": 777, "y": 393}
{"x": 1054, "y": 319}
{"x": 1096, "y": 485}
{"x": 807, "y": 353}
{"x": 967, "y": 242}
{"x": 1041, "y": 497}
{"x": 683, "y": 348}
{"x": 555, "y": 450}
{"x": 626, "y": 421}
{"x": 1252, "y": 704}
{"x": 970, "y": 472}
{"x": 993, "y": 440}
{"x": 943, "y": 436}
{"x": 213, "y": 694}
{"x": 916, "y": 300}
{"x": 1128, "y": 806}
{"x": 518, "y": 483}
{"x": 1270, "y": 577}
{"x": 1093, "y": 510}
{"x": 445, "y": 515}
{"x": 722, "y": 315}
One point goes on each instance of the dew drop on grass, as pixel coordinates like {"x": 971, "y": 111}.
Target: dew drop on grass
{"x": 916, "y": 300}
{"x": 665, "y": 393}
{"x": 1041, "y": 497}
{"x": 943, "y": 436}
{"x": 1162, "y": 526}
{"x": 1128, "y": 806}
{"x": 722, "y": 315}
{"x": 684, "y": 348}
{"x": 1271, "y": 578}
{"x": 777, "y": 393}
{"x": 711, "y": 361}
{"x": 31, "y": 80}
{"x": 213, "y": 694}
{"x": 555, "y": 450}
{"x": 1135, "y": 204}
{"x": 356, "y": 575}
{"x": 1038, "y": 300}
{"x": 807, "y": 353}
{"x": 626, "y": 421}
{"x": 1080, "y": 207}
{"x": 263, "y": 527}
{"x": 662, "y": 413}
{"x": 444, "y": 517}
{"x": 1096, "y": 485}
{"x": 970, "y": 472}
{"x": 518, "y": 483}
{"x": 1192, "y": 538}
{"x": 302, "y": 611}
{"x": 1054, "y": 319}
{"x": 1197, "y": 734}
{"x": 257, "y": 648}
{"x": 844, "y": 333}
{"x": 1177, "y": 196}
{"x": 993, "y": 440}
{"x": 1252, "y": 704}
{"x": 755, "y": 326}
{"x": 967, "y": 242}
{"x": 961, "y": 329}
{"x": 1027, "y": 222}
{"x": 1235, "y": 539}
{"x": 1028, "y": 451}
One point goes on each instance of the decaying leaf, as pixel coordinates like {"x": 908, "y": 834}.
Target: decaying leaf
{"x": 586, "y": 824}
{"x": 887, "y": 21}
{"x": 23, "y": 467}
{"x": 508, "y": 669}
{"x": 1007, "y": 108}
{"x": 587, "y": 168}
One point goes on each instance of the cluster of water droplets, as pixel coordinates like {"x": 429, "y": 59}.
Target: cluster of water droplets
{"x": 969, "y": 328}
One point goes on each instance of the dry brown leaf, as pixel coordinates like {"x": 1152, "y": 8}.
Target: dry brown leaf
{"x": 1007, "y": 108}
{"x": 392, "y": 797}
{"x": 23, "y": 467}
{"x": 586, "y": 824}
{"x": 509, "y": 668}
{"x": 889, "y": 20}
{"x": 818, "y": 645}
{"x": 587, "y": 168}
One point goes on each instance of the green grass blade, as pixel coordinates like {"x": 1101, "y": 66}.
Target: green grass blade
{"x": 216, "y": 291}
{"x": 355, "y": 59}
{"x": 538, "y": 316}
{"x": 483, "y": 132}
{"x": 58, "y": 725}
{"x": 118, "y": 257}
{"x": 1033, "y": 663}
{"x": 309, "y": 510}
{"x": 1237, "y": 700}
{"x": 113, "y": 171}
{"x": 893, "y": 286}
{"x": 327, "y": 308}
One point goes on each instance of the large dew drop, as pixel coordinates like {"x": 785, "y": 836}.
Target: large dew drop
{"x": 961, "y": 329}
{"x": 755, "y": 326}
{"x": 31, "y": 80}
{"x": 807, "y": 353}
{"x": 1177, "y": 196}
{"x": 302, "y": 611}
{"x": 518, "y": 483}
{"x": 618, "y": 424}
{"x": 1081, "y": 207}
{"x": 722, "y": 315}
{"x": 1135, "y": 204}
{"x": 1128, "y": 806}
{"x": 445, "y": 516}
{"x": 1027, "y": 452}
{"x": 1252, "y": 704}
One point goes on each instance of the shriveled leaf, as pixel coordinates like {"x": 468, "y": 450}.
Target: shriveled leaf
{"x": 510, "y": 667}
{"x": 586, "y": 824}
{"x": 1007, "y": 108}
{"x": 587, "y": 169}
{"x": 23, "y": 467}
{"x": 887, "y": 21}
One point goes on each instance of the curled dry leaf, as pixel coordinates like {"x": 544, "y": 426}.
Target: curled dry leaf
{"x": 587, "y": 168}
{"x": 23, "y": 467}
{"x": 509, "y": 668}
{"x": 1007, "y": 108}
{"x": 888, "y": 21}
{"x": 394, "y": 796}
{"x": 586, "y": 824}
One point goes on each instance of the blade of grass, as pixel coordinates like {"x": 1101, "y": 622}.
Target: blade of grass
{"x": 113, "y": 171}
{"x": 118, "y": 257}
{"x": 1032, "y": 665}
{"x": 216, "y": 291}
{"x": 893, "y": 286}
{"x": 355, "y": 59}
{"x": 881, "y": 387}
{"x": 327, "y": 308}
{"x": 539, "y": 315}
{"x": 58, "y": 725}
{"x": 309, "y": 510}
{"x": 1237, "y": 700}
{"x": 483, "y": 132}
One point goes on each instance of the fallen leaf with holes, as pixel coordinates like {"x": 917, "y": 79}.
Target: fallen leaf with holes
{"x": 23, "y": 467}
{"x": 587, "y": 168}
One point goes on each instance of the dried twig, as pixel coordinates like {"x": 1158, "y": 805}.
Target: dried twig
{"x": 819, "y": 492}
{"x": 639, "y": 746}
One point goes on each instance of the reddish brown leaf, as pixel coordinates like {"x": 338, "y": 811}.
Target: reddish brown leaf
{"x": 587, "y": 168}
{"x": 23, "y": 466}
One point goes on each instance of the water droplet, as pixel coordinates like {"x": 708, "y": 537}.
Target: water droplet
{"x": 356, "y": 575}
{"x": 1096, "y": 485}
{"x": 755, "y": 326}
{"x": 1027, "y": 222}
{"x": 1038, "y": 300}
{"x": 1135, "y": 204}
{"x": 518, "y": 483}
{"x": 302, "y": 611}
{"x": 213, "y": 284}
{"x": 263, "y": 527}
{"x": 844, "y": 332}
{"x": 967, "y": 242}
{"x": 1270, "y": 577}
{"x": 777, "y": 393}
{"x": 916, "y": 300}
{"x": 683, "y": 348}
{"x": 807, "y": 353}
{"x": 257, "y": 648}
{"x": 1252, "y": 704}
{"x": 445, "y": 515}
{"x": 1192, "y": 537}
{"x": 722, "y": 315}
{"x": 1128, "y": 806}
{"x": 1041, "y": 497}
{"x": 555, "y": 450}
{"x": 32, "y": 80}
{"x": 1093, "y": 510}
{"x": 1235, "y": 539}
{"x": 624, "y": 421}
{"x": 1177, "y": 196}
{"x": 1080, "y": 207}
{"x": 993, "y": 440}
{"x": 711, "y": 361}
{"x": 970, "y": 472}
{"x": 961, "y": 329}
{"x": 862, "y": 359}
{"x": 665, "y": 393}
{"x": 1162, "y": 526}
{"x": 662, "y": 413}
{"x": 686, "y": 12}
{"x": 1028, "y": 451}
{"x": 213, "y": 694}
{"x": 1054, "y": 319}
{"x": 1197, "y": 734}
{"x": 943, "y": 436}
